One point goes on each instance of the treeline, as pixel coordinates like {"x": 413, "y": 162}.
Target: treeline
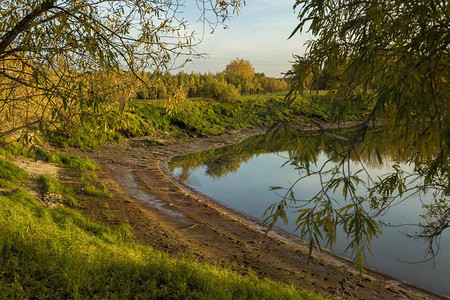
{"x": 224, "y": 86}
{"x": 49, "y": 104}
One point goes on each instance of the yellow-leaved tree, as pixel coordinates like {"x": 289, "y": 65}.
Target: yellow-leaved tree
{"x": 55, "y": 54}
{"x": 240, "y": 67}
{"x": 240, "y": 73}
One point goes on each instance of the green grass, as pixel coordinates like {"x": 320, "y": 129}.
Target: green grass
{"x": 200, "y": 117}
{"x": 9, "y": 172}
{"x": 93, "y": 187}
{"x": 58, "y": 253}
{"x": 50, "y": 185}
{"x": 206, "y": 117}
{"x": 92, "y": 190}
{"x": 89, "y": 176}
{"x": 71, "y": 201}
{"x": 72, "y": 161}
{"x": 11, "y": 149}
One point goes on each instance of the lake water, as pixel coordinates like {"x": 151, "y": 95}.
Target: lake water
{"x": 240, "y": 176}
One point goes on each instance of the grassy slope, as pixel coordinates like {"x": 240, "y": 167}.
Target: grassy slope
{"x": 58, "y": 253}
{"x": 197, "y": 117}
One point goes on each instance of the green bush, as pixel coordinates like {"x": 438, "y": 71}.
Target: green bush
{"x": 220, "y": 90}
{"x": 13, "y": 149}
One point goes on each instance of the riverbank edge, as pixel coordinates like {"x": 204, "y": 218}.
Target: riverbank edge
{"x": 212, "y": 232}
{"x": 278, "y": 233}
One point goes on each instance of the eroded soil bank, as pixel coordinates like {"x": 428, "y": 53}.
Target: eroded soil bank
{"x": 171, "y": 217}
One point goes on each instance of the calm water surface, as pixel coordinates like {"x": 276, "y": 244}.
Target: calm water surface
{"x": 240, "y": 175}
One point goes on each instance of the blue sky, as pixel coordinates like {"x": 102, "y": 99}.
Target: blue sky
{"x": 259, "y": 34}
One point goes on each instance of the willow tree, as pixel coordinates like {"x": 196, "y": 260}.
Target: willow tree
{"x": 62, "y": 57}
{"x": 390, "y": 57}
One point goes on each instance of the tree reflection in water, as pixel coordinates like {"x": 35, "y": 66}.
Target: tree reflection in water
{"x": 320, "y": 217}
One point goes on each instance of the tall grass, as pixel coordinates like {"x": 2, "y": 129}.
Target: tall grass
{"x": 73, "y": 162}
{"x": 11, "y": 149}
{"x": 58, "y": 253}
{"x": 10, "y": 173}
{"x": 199, "y": 117}
{"x": 50, "y": 185}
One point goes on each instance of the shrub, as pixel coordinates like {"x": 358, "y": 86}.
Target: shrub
{"x": 220, "y": 90}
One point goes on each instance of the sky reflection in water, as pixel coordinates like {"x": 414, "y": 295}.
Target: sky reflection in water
{"x": 241, "y": 180}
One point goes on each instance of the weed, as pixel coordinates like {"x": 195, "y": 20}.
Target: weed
{"x": 88, "y": 176}
{"x": 51, "y": 186}
{"x": 72, "y": 161}
{"x": 71, "y": 201}
{"x": 92, "y": 190}
{"x": 9, "y": 172}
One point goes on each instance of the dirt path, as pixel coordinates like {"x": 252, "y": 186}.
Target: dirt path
{"x": 173, "y": 218}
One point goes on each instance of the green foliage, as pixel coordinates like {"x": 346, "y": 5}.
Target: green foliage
{"x": 50, "y": 185}
{"x": 153, "y": 113}
{"x": 13, "y": 149}
{"x": 214, "y": 86}
{"x": 41, "y": 42}
{"x": 203, "y": 117}
{"x": 89, "y": 132}
{"x": 132, "y": 126}
{"x": 93, "y": 187}
{"x": 390, "y": 59}
{"x": 10, "y": 174}
{"x": 241, "y": 74}
{"x": 58, "y": 253}
{"x": 92, "y": 190}
{"x": 88, "y": 176}
{"x": 71, "y": 201}
{"x": 240, "y": 67}
{"x": 72, "y": 161}
{"x": 69, "y": 161}
{"x": 220, "y": 90}
{"x": 269, "y": 84}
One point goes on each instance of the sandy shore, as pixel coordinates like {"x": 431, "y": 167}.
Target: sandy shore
{"x": 174, "y": 218}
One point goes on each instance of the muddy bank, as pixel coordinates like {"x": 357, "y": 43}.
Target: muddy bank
{"x": 172, "y": 217}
